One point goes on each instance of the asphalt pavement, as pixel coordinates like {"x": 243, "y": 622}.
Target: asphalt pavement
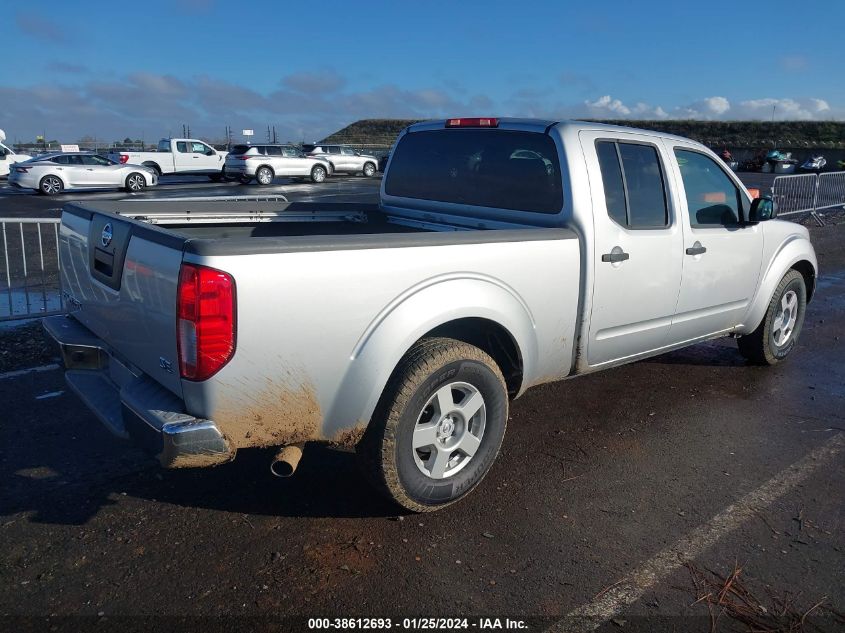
{"x": 616, "y": 499}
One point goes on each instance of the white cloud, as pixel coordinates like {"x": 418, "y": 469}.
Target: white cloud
{"x": 820, "y": 105}
{"x": 784, "y": 109}
{"x": 608, "y": 106}
{"x": 717, "y": 105}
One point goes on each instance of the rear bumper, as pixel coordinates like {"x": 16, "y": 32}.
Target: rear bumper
{"x": 132, "y": 405}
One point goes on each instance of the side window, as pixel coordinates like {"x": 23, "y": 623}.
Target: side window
{"x": 273, "y": 151}
{"x": 346, "y": 151}
{"x": 199, "y": 148}
{"x": 182, "y": 146}
{"x": 611, "y": 175}
{"x": 333, "y": 150}
{"x": 712, "y": 197}
{"x": 633, "y": 184}
{"x": 61, "y": 160}
{"x": 75, "y": 159}
{"x": 290, "y": 152}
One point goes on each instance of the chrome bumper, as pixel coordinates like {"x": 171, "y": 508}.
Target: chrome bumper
{"x": 132, "y": 405}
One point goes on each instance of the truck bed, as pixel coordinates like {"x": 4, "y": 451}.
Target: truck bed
{"x": 324, "y": 294}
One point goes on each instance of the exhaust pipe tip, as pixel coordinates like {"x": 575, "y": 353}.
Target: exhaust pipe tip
{"x": 286, "y": 460}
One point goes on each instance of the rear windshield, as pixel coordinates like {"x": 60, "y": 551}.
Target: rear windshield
{"x": 488, "y": 168}
{"x": 239, "y": 149}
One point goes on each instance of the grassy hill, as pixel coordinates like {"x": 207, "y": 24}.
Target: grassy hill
{"x": 751, "y": 134}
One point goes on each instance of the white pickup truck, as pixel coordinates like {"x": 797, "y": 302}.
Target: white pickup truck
{"x": 8, "y": 157}
{"x": 177, "y": 156}
{"x": 505, "y": 253}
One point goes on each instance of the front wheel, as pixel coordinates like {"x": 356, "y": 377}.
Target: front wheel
{"x": 318, "y": 173}
{"x": 369, "y": 170}
{"x": 775, "y": 337}
{"x": 51, "y": 185}
{"x": 264, "y": 176}
{"x": 438, "y": 426}
{"x": 135, "y": 182}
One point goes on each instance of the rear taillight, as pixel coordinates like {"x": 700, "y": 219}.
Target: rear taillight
{"x": 21, "y": 170}
{"x": 124, "y": 158}
{"x": 472, "y": 122}
{"x": 205, "y": 321}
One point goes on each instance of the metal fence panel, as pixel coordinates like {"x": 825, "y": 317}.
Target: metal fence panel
{"x": 795, "y": 194}
{"x": 831, "y": 191}
{"x": 30, "y": 283}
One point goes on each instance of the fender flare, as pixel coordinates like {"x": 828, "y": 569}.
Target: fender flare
{"x": 409, "y": 317}
{"x": 793, "y": 250}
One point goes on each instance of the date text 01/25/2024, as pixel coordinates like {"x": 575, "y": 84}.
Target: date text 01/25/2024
{"x": 416, "y": 624}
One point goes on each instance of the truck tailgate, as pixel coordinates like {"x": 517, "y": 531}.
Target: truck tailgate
{"x": 120, "y": 281}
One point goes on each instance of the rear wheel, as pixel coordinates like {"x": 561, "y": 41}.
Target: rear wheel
{"x": 135, "y": 182}
{"x": 776, "y": 335}
{"x": 51, "y": 185}
{"x": 369, "y": 170}
{"x": 318, "y": 173}
{"x": 438, "y": 426}
{"x": 264, "y": 176}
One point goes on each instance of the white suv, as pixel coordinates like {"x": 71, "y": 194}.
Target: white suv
{"x": 344, "y": 159}
{"x": 265, "y": 162}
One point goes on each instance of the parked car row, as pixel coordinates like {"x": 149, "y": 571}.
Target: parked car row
{"x": 52, "y": 173}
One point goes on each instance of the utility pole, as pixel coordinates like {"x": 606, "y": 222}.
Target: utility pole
{"x": 189, "y": 131}
{"x": 274, "y": 134}
{"x": 773, "y": 112}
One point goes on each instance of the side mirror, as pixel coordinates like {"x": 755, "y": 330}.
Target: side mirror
{"x": 210, "y": 152}
{"x": 762, "y": 209}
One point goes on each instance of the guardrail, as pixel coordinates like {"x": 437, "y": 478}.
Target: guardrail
{"x": 807, "y": 194}
{"x": 29, "y": 282}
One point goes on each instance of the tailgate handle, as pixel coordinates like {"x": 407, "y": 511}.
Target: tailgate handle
{"x": 104, "y": 263}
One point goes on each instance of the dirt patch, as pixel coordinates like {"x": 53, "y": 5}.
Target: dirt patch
{"x": 280, "y": 412}
{"x": 26, "y": 345}
{"x": 349, "y": 438}
{"x": 199, "y": 460}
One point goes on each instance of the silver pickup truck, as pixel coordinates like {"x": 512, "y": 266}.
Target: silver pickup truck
{"x": 504, "y": 254}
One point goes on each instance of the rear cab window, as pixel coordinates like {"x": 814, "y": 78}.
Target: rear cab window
{"x": 634, "y": 186}
{"x": 501, "y": 169}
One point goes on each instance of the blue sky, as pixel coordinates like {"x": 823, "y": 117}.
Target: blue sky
{"x": 114, "y": 69}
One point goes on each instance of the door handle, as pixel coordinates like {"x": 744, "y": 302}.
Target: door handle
{"x": 615, "y": 257}
{"x": 696, "y": 249}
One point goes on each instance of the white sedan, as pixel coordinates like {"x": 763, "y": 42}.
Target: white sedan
{"x": 53, "y": 173}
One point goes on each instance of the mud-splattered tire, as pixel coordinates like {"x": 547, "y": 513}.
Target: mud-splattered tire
{"x": 776, "y": 335}
{"x": 445, "y": 398}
